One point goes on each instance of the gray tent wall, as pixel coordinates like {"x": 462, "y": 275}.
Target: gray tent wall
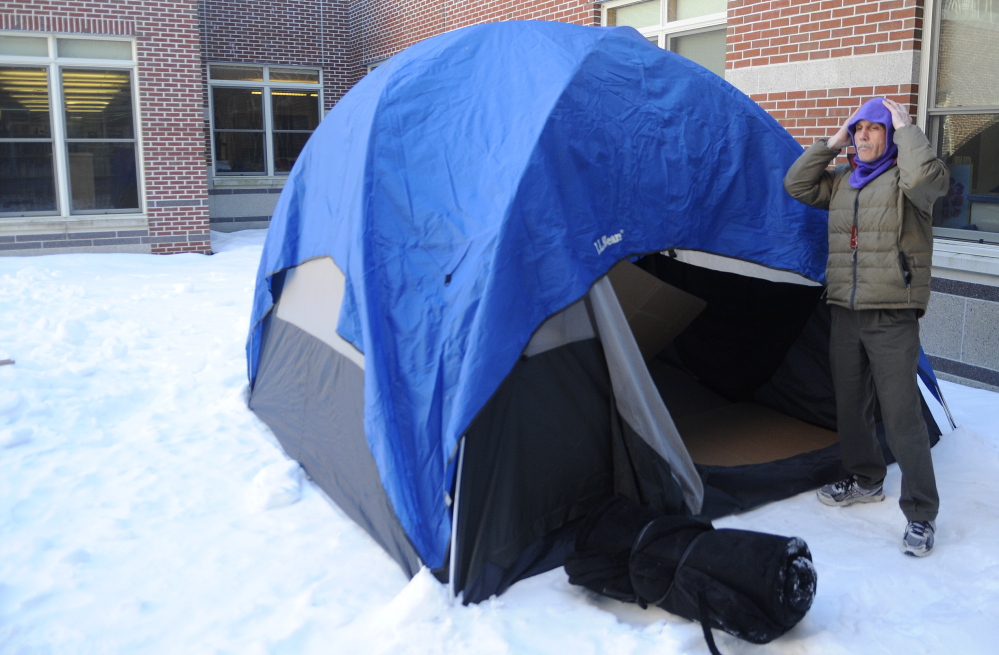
{"x": 310, "y": 392}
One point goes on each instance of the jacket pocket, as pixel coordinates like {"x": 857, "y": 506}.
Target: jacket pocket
{"x": 904, "y": 269}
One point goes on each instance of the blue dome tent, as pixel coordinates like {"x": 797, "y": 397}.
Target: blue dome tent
{"x": 434, "y": 333}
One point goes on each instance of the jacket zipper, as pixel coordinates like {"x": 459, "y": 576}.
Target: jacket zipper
{"x": 853, "y": 245}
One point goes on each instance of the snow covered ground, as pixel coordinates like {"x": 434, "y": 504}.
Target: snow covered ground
{"x": 144, "y": 509}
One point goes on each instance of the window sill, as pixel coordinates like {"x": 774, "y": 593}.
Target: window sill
{"x": 15, "y": 225}
{"x": 966, "y": 261}
{"x": 249, "y": 182}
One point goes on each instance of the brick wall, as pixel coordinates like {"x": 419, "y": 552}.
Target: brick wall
{"x": 782, "y": 31}
{"x": 818, "y": 113}
{"x": 294, "y": 33}
{"x": 785, "y": 33}
{"x": 169, "y": 92}
{"x": 381, "y": 28}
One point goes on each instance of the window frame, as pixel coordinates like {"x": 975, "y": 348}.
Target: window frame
{"x": 668, "y": 29}
{"x": 54, "y": 65}
{"x": 928, "y": 113}
{"x": 266, "y": 86}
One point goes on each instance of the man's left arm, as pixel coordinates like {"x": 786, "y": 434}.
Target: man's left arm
{"x": 922, "y": 176}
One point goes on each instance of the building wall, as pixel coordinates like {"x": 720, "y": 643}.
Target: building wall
{"x": 281, "y": 32}
{"x": 810, "y": 64}
{"x": 169, "y": 97}
{"x": 344, "y": 37}
{"x": 381, "y": 28}
{"x": 293, "y": 33}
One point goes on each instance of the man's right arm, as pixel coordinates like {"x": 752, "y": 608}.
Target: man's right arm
{"x": 808, "y": 179}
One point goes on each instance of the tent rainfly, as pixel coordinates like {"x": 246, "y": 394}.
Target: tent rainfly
{"x": 436, "y": 338}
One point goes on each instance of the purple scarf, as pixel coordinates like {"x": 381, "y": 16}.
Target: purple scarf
{"x": 865, "y": 171}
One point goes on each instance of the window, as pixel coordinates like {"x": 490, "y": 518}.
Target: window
{"x": 261, "y": 117}
{"x": 963, "y": 117}
{"x": 68, "y": 141}
{"x": 694, "y": 29}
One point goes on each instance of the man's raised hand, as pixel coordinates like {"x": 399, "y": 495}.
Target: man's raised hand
{"x": 899, "y": 115}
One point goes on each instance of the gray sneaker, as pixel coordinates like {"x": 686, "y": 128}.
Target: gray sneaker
{"x": 918, "y": 539}
{"x": 848, "y": 492}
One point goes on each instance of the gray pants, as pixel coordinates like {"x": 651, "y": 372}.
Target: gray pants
{"x": 876, "y": 351}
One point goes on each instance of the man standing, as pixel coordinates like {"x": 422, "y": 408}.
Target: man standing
{"x": 878, "y": 276}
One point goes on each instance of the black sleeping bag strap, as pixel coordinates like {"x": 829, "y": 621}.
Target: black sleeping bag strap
{"x": 702, "y": 599}
{"x": 683, "y": 558}
{"x": 702, "y": 606}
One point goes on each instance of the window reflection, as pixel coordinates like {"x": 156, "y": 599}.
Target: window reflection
{"x": 27, "y": 173}
{"x": 102, "y": 176}
{"x": 704, "y": 48}
{"x": 968, "y": 69}
{"x": 98, "y": 104}
{"x": 969, "y": 145}
{"x": 295, "y": 116}
{"x": 239, "y": 152}
{"x": 100, "y": 143}
{"x": 27, "y": 179}
{"x": 239, "y": 130}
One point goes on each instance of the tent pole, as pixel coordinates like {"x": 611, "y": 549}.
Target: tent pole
{"x": 454, "y": 520}
{"x": 943, "y": 402}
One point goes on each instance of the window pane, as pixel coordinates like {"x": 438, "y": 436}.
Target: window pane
{"x": 27, "y": 182}
{"x": 24, "y": 103}
{"x": 287, "y": 147}
{"x": 295, "y": 110}
{"x": 969, "y": 145}
{"x": 640, "y": 14}
{"x": 238, "y": 109}
{"x": 94, "y": 49}
{"x": 704, "y": 48}
{"x": 968, "y": 61}
{"x": 102, "y": 177}
{"x": 241, "y": 73}
{"x": 239, "y": 152}
{"x": 294, "y": 75}
{"x": 24, "y": 46}
{"x": 695, "y": 8}
{"x": 98, "y": 103}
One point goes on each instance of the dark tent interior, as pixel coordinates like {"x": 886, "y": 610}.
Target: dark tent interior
{"x": 747, "y": 384}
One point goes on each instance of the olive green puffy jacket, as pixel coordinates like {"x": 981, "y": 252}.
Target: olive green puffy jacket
{"x": 890, "y": 266}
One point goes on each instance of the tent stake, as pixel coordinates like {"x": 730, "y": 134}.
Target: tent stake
{"x": 454, "y": 520}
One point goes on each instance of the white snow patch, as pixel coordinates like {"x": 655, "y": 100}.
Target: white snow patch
{"x": 128, "y": 459}
{"x": 11, "y": 437}
{"x": 276, "y": 485}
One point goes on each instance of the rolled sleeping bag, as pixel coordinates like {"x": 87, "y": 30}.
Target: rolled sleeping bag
{"x": 752, "y": 585}
{"x": 602, "y": 551}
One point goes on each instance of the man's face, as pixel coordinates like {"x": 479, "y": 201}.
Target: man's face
{"x": 870, "y": 140}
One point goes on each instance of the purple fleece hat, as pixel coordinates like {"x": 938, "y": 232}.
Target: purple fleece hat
{"x": 874, "y": 111}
